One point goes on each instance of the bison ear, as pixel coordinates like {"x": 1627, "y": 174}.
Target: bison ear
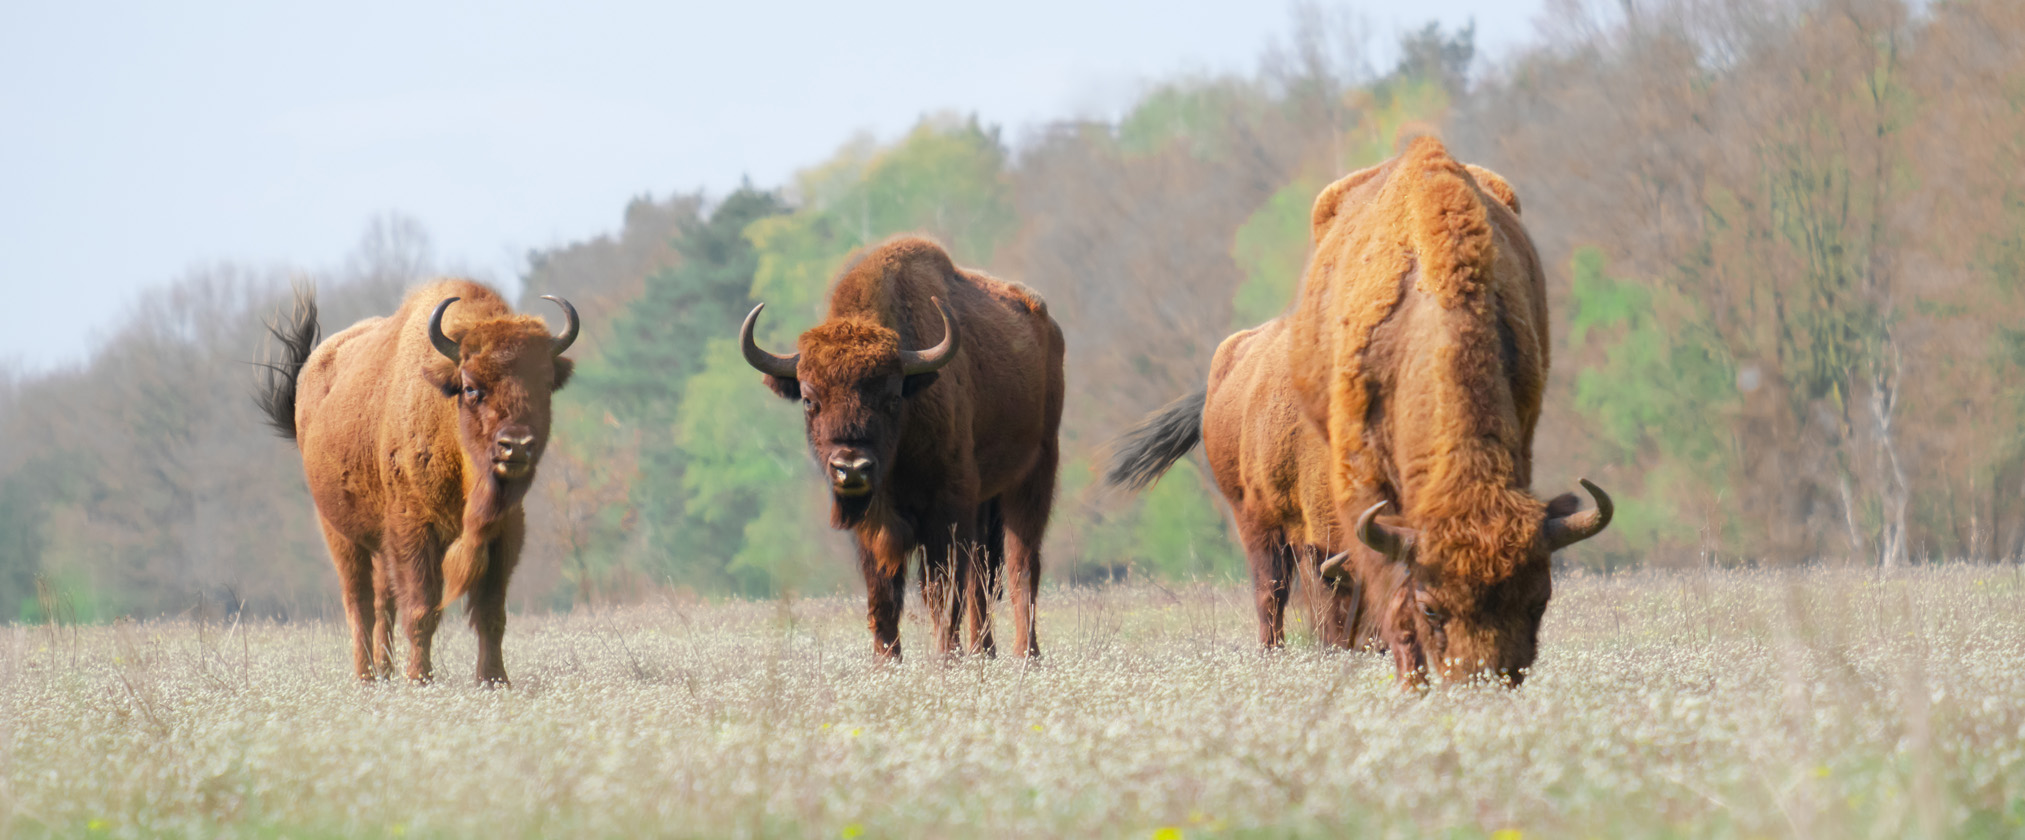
{"x": 442, "y": 373}
{"x": 913, "y": 384}
{"x": 1565, "y": 504}
{"x": 787, "y": 389}
{"x": 563, "y": 369}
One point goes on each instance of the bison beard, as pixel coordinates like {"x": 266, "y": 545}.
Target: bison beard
{"x": 917, "y": 461}
{"x": 847, "y": 512}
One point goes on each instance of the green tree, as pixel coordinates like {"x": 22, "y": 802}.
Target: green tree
{"x": 657, "y": 346}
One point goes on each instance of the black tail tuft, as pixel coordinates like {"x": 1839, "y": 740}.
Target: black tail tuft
{"x": 1143, "y": 453}
{"x": 298, "y": 335}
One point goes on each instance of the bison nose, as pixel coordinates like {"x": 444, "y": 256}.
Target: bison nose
{"x": 514, "y": 446}
{"x": 851, "y": 475}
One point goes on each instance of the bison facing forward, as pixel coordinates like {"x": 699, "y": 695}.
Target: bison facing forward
{"x": 420, "y": 434}
{"x": 951, "y": 449}
{"x": 1419, "y": 350}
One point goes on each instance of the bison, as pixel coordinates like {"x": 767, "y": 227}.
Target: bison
{"x": 1269, "y": 464}
{"x": 1418, "y": 349}
{"x": 951, "y": 449}
{"x": 419, "y": 435}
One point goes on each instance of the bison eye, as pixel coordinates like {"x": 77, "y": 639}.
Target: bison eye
{"x": 474, "y": 393}
{"x": 1428, "y": 609}
{"x": 808, "y": 405}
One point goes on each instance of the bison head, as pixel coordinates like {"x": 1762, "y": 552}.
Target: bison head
{"x": 854, "y": 381}
{"x": 502, "y": 372}
{"x": 1473, "y": 593}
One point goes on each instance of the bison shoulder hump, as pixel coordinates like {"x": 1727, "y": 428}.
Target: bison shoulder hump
{"x": 1025, "y": 296}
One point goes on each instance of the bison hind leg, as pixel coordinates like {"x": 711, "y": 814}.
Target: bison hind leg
{"x": 987, "y": 559}
{"x": 355, "y": 582}
{"x": 383, "y": 618}
{"x": 1026, "y": 510}
{"x": 1272, "y": 567}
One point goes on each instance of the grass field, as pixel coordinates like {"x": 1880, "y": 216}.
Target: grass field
{"x": 1723, "y": 704}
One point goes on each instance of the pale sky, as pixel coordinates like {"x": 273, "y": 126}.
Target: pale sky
{"x": 139, "y": 140}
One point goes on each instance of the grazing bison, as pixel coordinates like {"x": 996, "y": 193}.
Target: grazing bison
{"x": 419, "y": 436}
{"x": 951, "y": 449}
{"x": 1418, "y": 348}
{"x": 1270, "y": 465}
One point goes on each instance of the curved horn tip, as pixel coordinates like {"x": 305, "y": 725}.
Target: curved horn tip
{"x": 1596, "y": 494}
{"x": 1576, "y": 527}
{"x": 442, "y": 342}
{"x": 779, "y": 367}
{"x": 571, "y": 326}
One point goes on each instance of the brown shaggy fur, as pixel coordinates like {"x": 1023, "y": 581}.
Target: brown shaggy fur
{"x": 964, "y": 457}
{"x": 1419, "y": 349}
{"x": 1271, "y": 466}
{"x": 1273, "y": 470}
{"x": 398, "y": 444}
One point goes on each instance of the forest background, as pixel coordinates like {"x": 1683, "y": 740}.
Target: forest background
{"x": 1784, "y": 242}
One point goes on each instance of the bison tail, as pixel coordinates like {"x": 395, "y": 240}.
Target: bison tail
{"x": 1142, "y": 454}
{"x": 298, "y": 335}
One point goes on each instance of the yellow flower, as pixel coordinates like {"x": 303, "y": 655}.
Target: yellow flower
{"x": 1167, "y": 833}
{"x": 852, "y": 830}
{"x": 1507, "y": 834}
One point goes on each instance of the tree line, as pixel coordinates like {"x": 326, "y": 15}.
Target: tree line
{"x": 1783, "y": 240}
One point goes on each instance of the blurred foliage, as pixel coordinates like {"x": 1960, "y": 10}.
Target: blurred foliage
{"x": 1658, "y": 387}
{"x": 1782, "y": 258}
{"x": 1272, "y": 249}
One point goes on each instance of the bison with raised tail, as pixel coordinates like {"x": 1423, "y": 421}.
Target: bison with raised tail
{"x": 1419, "y": 351}
{"x": 420, "y": 434}
{"x": 933, "y": 398}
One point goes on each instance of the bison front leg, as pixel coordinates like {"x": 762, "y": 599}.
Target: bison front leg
{"x": 417, "y": 571}
{"x": 885, "y": 593}
{"x": 488, "y": 599}
{"x": 1333, "y": 606}
{"x": 355, "y": 584}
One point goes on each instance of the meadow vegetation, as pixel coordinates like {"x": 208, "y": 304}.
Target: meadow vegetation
{"x": 1805, "y": 703}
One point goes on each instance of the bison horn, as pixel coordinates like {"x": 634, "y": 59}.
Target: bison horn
{"x": 568, "y": 336}
{"x": 436, "y": 337}
{"x": 779, "y": 367}
{"x": 1332, "y": 568}
{"x": 933, "y": 358}
{"x": 1568, "y": 530}
{"x": 1381, "y": 537}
